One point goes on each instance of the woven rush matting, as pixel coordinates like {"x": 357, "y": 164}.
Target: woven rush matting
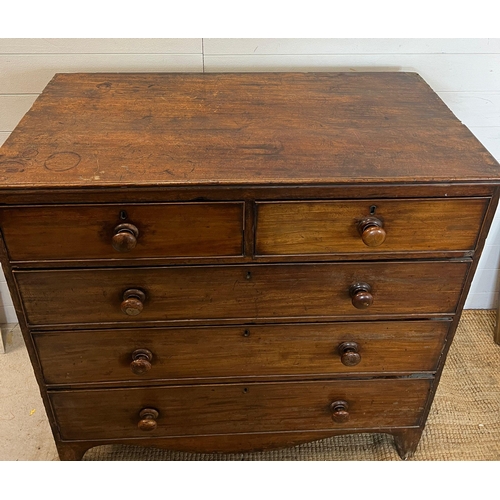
{"x": 463, "y": 424}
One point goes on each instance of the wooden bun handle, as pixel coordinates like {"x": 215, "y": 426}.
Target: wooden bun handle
{"x": 339, "y": 411}
{"x": 148, "y": 418}
{"x": 133, "y": 302}
{"x": 372, "y": 231}
{"x": 349, "y": 354}
{"x": 361, "y": 296}
{"x": 125, "y": 237}
{"x": 141, "y": 361}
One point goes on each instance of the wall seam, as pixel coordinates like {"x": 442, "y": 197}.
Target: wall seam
{"x": 203, "y": 55}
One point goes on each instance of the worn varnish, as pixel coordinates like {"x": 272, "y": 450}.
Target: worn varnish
{"x": 250, "y": 352}
{"x": 238, "y": 262}
{"x": 239, "y": 293}
{"x": 254, "y": 408}
{"x": 177, "y": 129}
{"x": 301, "y": 228}
{"x": 88, "y": 232}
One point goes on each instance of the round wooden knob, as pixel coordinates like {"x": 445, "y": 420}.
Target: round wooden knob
{"x": 339, "y": 411}
{"x": 133, "y": 302}
{"x": 361, "y": 296}
{"x": 148, "y": 418}
{"x": 141, "y": 361}
{"x": 125, "y": 237}
{"x": 349, "y": 354}
{"x": 372, "y": 231}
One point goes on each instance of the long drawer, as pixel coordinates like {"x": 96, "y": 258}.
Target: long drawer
{"x": 238, "y": 408}
{"x": 123, "y": 231}
{"x": 238, "y": 352}
{"x": 329, "y": 227}
{"x": 241, "y": 293}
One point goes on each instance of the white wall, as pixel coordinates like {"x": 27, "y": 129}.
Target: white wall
{"x": 464, "y": 72}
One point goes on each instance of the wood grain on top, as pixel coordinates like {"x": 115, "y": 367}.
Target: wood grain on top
{"x": 240, "y": 129}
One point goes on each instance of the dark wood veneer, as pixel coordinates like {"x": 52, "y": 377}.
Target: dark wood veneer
{"x": 87, "y": 232}
{"x": 259, "y": 293}
{"x": 257, "y": 407}
{"x": 322, "y": 227}
{"x": 253, "y": 351}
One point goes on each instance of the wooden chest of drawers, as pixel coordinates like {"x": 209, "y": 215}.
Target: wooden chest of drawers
{"x": 235, "y": 262}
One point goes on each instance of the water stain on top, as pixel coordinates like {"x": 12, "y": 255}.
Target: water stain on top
{"x": 60, "y": 162}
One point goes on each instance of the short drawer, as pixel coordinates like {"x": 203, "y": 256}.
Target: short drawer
{"x": 367, "y": 226}
{"x": 238, "y": 408}
{"x": 241, "y": 293}
{"x": 255, "y": 351}
{"x": 118, "y": 232}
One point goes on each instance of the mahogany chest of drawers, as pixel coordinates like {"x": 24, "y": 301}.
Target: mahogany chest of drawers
{"x": 235, "y": 262}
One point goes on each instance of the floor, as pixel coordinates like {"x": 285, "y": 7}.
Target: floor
{"x": 24, "y": 430}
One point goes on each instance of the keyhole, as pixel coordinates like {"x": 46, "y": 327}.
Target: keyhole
{"x": 249, "y": 275}
{"x": 372, "y": 209}
{"x": 123, "y": 215}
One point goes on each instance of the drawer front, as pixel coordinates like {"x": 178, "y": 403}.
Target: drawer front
{"x": 238, "y": 408}
{"x": 93, "y": 232}
{"x": 253, "y": 351}
{"x": 238, "y": 292}
{"x": 329, "y": 227}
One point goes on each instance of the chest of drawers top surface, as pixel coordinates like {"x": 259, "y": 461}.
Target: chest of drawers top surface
{"x": 240, "y": 129}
